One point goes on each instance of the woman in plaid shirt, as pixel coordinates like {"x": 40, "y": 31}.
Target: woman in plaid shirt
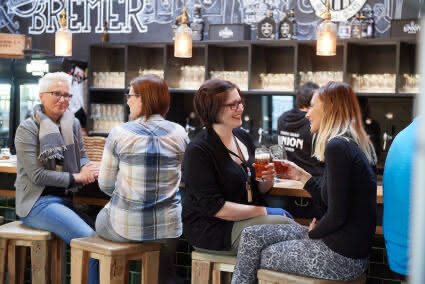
{"x": 141, "y": 171}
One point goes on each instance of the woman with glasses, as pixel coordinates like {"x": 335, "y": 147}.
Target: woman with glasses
{"x": 51, "y": 164}
{"x": 141, "y": 171}
{"x": 337, "y": 246}
{"x": 221, "y": 196}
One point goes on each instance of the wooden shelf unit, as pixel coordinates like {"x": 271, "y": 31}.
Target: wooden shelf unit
{"x": 365, "y": 56}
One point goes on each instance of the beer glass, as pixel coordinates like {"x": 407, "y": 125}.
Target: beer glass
{"x": 262, "y": 159}
{"x": 278, "y": 154}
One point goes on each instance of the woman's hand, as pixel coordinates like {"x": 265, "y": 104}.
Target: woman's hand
{"x": 87, "y": 174}
{"x": 269, "y": 173}
{"x": 312, "y": 224}
{"x": 295, "y": 172}
{"x": 266, "y": 181}
{"x": 94, "y": 168}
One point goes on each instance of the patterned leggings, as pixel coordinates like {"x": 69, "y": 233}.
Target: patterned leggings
{"x": 287, "y": 248}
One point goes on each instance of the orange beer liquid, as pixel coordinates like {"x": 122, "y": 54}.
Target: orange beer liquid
{"x": 279, "y": 168}
{"x": 261, "y": 161}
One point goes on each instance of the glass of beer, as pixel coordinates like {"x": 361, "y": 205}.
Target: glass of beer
{"x": 278, "y": 155}
{"x": 262, "y": 159}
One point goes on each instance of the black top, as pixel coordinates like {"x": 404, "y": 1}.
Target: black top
{"x": 348, "y": 192}
{"x": 294, "y": 127}
{"x": 212, "y": 177}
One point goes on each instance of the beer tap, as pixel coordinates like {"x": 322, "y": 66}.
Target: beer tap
{"x": 260, "y": 135}
{"x": 246, "y": 124}
{"x": 188, "y": 127}
{"x": 191, "y": 124}
{"x": 388, "y": 137}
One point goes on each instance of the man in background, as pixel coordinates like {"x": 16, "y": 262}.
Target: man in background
{"x": 294, "y": 131}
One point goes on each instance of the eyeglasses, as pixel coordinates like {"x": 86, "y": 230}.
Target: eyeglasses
{"x": 235, "y": 105}
{"x": 128, "y": 96}
{"x": 59, "y": 95}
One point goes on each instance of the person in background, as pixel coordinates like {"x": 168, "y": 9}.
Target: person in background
{"x": 294, "y": 132}
{"x": 76, "y": 105}
{"x": 337, "y": 246}
{"x": 141, "y": 171}
{"x": 397, "y": 187}
{"x": 51, "y": 164}
{"x": 294, "y": 129}
{"x": 371, "y": 125}
{"x": 221, "y": 196}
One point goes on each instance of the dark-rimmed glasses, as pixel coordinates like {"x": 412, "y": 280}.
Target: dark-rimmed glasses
{"x": 235, "y": 105}
{"x": 59, "y": 95}
{"x": 128, "y": 96}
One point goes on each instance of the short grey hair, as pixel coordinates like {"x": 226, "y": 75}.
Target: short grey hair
{"x": 47, "y": 80}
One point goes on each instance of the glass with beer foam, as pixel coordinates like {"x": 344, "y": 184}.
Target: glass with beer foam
{"x": 262, "y": 159}
{"x": 278, "y": 155}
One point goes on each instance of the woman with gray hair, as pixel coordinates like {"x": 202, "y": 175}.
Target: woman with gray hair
{"x": 51, "y": 164}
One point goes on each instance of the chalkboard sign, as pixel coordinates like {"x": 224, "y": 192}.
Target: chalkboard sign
{"x": 150, "y": 20}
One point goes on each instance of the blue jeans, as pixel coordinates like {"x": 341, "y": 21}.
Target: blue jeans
{"x": 57, "y": 215}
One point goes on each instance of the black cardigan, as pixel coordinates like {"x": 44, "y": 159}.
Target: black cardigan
{"x": 211, "y": 177}
{"x": 348, "y": 191}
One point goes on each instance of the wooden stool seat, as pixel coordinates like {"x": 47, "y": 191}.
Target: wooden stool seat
{"x": 113, "y": 259}
{"x": 266, "y": 276}
{"x": 207, "y": 266}
{"x": 15, "y": 238}
{"x": 104, "y": 247}
{"x": 17, "y": 230}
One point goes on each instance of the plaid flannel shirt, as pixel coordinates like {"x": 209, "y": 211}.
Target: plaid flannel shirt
{"x": 141, "y": 171}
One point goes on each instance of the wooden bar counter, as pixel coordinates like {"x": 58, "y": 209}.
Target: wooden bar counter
{"x": 7, "y": 167}
{"x": 294, "y": 188}
{"x": 283, "y": 188}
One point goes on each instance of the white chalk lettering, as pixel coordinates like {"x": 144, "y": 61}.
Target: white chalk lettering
{"x": 45, "y": 15}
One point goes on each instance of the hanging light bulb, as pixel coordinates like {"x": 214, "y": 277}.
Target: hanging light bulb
{"x": 326, "y": 35}
{"x": 183, "y": 38}
{"x": 63, "y": 38}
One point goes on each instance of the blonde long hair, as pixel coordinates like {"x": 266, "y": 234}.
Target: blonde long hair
{"x": 341, "y": 118}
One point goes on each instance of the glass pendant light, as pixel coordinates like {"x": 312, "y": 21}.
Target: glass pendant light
{"x": 326, "y": 35}
{"x": 183, "y": 38}
{"x": 63, "y": 38}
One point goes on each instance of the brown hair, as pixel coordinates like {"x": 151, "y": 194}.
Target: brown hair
{"x": 304, "y": 93}
{"x": 154, "y": 94}
{"x": 341, "y": 118}
{"x": 209, "y": 99}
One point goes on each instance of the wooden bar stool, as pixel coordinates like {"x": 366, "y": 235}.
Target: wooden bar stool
{"x": 15, "y": 238}
{"x": 272, "y": 277}
{"x": 113, "y": 260}
{"x": 207, "y": 267}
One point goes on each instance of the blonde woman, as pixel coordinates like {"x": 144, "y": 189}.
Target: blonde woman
{"x": 337, "y": 246}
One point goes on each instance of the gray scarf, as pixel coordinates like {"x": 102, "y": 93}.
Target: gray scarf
{"x": 55, "y": 143}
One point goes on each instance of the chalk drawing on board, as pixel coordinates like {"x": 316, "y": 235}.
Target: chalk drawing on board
{"x": 7, "y": 19}
{"x": 212, "y": 7}
{"x": 305, "y": 7}
{"x": 253, "y": 11}
{"x": 382, "y": 21}
{"x": 394, "y": 8}
{"x": 346, "y": 8}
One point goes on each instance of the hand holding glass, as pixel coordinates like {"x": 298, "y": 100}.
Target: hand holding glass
{"x": 262, "y": 159}
{"x": 278, "y": 155}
